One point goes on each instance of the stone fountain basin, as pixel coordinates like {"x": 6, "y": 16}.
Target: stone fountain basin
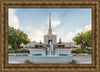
{"x": 51, "y": 59}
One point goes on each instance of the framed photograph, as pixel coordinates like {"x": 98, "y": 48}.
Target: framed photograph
{"x": 49, "y": 36}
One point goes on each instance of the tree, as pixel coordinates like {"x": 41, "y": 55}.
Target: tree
{"x": 17, "y": 37}
{"x": 63, "y": 45}
{"x": 85, "y": 39}
{"x": 59, "y": 41}
{"x": 34, "y": 41}
{"x": 40, "y": 42}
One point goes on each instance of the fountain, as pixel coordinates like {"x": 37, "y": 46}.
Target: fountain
{"x": 52, "y": 56}
{"x": 50, "y": 49}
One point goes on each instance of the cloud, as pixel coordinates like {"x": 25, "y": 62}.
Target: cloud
{"x": 88, "y": 27}
{"x": 54, "y": 33}
{"x": 36, "y": 36}
{"x": 71, "y": 35}
{"x": 13, "y": 19}
{"x": 55, "y": 23}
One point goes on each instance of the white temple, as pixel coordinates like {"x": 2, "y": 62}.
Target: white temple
{"x": 50, "y": 37}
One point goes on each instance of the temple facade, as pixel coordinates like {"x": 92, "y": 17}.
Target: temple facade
{"x": 50, "y": 37}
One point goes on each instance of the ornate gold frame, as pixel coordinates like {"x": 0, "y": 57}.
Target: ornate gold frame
{"x": 4, "y": 5}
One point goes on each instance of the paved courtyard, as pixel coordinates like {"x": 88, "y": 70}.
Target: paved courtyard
{"x": 77, "y": 59}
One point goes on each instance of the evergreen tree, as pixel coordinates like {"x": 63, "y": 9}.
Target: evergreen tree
{"x": 40, "y": 42}
{"x": 60, "y": 41}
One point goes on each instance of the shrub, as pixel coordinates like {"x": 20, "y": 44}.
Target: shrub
{"x": 36, "y": 46}
{"x": 40, "y": 45}
{"x": 86, "y": 51}
{"x": 63, "y": 45}
{"x": 89, "y": 52}
{"x": 73, "y": 51}
{"x": 81, "y": 51}
{"x": 59, "y": 45}
{"x": 20, "y": 49}
{"x": 16, "y": 51}
{"x": 77, "y": 51}
{"x": 48, "y": 46}
{"x": 23, "y": 51}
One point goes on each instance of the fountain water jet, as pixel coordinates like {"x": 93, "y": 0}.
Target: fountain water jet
{"x": 51, "y": 49}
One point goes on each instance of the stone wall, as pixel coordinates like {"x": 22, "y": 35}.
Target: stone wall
{"x": 35, "y": 51}
{"x": 64, "y": 51}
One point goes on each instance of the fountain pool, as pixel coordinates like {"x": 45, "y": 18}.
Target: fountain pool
{"x": 61, "y": 58}
{"x": 52, "y": 56}
{"x": 48, "y": 55}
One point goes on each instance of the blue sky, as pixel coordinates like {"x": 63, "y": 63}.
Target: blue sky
{"x": 66, "y": 22}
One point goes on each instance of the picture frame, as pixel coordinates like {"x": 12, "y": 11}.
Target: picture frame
{"x": 94, "y": 5}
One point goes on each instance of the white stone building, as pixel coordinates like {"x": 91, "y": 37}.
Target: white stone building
{"x": 23, "y": 45}
{"x": 50, "y": 37}
{"x": 70, "y": 44}
{"x": 31, "y": 44}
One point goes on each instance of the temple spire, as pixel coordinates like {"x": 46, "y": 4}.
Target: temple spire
{"x": 49, "y": 30}
{"x": 49, "y": 20}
